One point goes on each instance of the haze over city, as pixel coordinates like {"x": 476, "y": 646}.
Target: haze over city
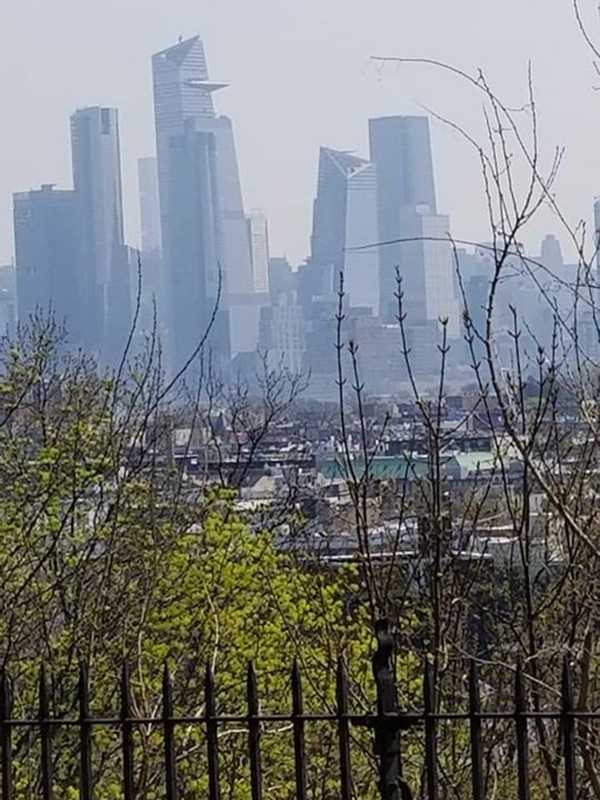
{"x": 300, "y": 399}
{"x": 285, "y": 63}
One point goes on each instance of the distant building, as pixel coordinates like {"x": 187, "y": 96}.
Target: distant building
{"x": 98, "y": 187}
{"x": 258, "y": 237}
{"x": 8, "y": 300}
{"x": 121, "y": 306}
{"x": 282, "y": 333}
{"x": 551, "y": 253}
{"x": 476, "y": 290}
{"x": 316, "y": 282}
{"x": 208, "y": 238}
{"x": 281, "y": 277}
{"x": 150, "y": 254}
{"x": 147, "y": 267}
{"x": 588, "y": 336}
{"x": 149, "y": 205}
{"x": 379, "y": 356}
{"x": 426, "y": 267}
{"x": 48, "y": 257}
{"x": 345, "y": 217}
{"x": 245, "y": 312}
{"x": 423, "y": 340}
{"x": 194, "y": 248}
{"x": 400, "y": 149}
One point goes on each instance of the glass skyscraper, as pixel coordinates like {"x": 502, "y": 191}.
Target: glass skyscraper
{"x": 149, "y": 205}
{"x": 400, "y": 148}
{"x": 203, "y": 225}
{"x": 96, "y": 155}
{"x": 345, "y": 216}
{"x": 48, "y": 257}
{"x": 406, "y": 205}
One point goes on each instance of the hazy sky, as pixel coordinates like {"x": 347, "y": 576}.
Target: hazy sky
{"x": 301, "y": 77}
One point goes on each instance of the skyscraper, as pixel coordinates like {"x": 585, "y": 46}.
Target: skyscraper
{"x": 150, "y": 254}
{"x": 185, "y": 118}
{"x": 48, "y": 256}
{"x": 551, "y": 253}
{"x": 258, "y": 236}
{"x": 345, "y": 216}
{"x": 195, "y": 245}
{"x": 281, "y": 277}
{"x": 97, "y": 181}
{"x": 149, "y": 205}
{"x": 426, "y": 267}
{"x": 400, "y": 148}
{"x": 282, "y": 333}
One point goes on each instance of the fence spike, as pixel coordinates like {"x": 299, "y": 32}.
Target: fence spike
{"x": 343, "y": 730}
{"x": 430, "y": 732}
{"x": 522, "y": 732}
{"x": 6, "y": 736}
{"x": 85, "y": 734}
{"x": 568, "y": 730}
{"x": 254, "y": 733}
{"x": 475, "y": 732}
{"x": 388, "y": 720}
{"x": 212, "y": 742}
{"x": 298, "y": 725}
{"x": 126, "y": 735}
{"x": 45, "y": 736}
{"x": 169, "y": 735}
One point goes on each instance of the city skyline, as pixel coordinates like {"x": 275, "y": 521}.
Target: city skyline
{"x": 363, "y": 91}
{"x": 211, "y": 273}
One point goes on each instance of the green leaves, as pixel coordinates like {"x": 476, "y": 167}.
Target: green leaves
{"x": 108, "y": 555}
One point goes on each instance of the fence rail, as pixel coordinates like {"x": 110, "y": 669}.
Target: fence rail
{"x": 387, "y": 724}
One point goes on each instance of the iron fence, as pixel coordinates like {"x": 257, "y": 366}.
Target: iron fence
{"x": 387, "y": 723}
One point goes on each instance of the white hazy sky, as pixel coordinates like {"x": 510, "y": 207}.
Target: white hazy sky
{"x": 301, "y": 77}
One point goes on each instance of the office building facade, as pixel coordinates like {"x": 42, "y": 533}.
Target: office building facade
{"x": 196, "y": 281}
{"x": 149, "y": 205}
{"x": 426, "y": 268}
{"x": 282, "y": 333}
{"x": 96, "y": 154}
{"x": 193, "y": 143}
{"x": 400, "y": 149}
{"x": 345, "y": 217}
{"x": 48, "y": 248}
{"x": 258, "y": 237}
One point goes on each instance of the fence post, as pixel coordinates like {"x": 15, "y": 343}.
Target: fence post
{"x": 389, "y": 720}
